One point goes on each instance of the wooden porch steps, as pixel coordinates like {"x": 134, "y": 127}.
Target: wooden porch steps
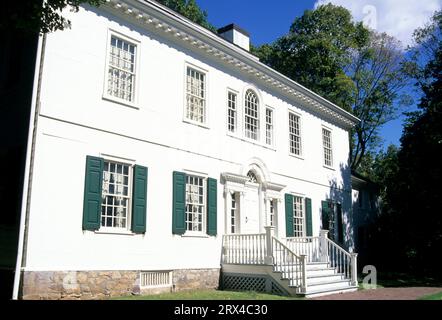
{"x": 321, "y": 280}
{"x": 293, "y": 266}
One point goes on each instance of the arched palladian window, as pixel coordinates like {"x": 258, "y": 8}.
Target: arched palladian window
{"x": 251, "y": 115}
{"x": 252, "y": 177}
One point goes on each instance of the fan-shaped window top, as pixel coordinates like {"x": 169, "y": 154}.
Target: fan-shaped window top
{"x": 252, "y": 177}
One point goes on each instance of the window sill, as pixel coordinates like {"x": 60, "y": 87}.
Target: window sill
{"x": 296, "y": 156}
{"x": 120, "y": 101}
{"x": 255, "y": 142}
{"x": 194, "y": 235}
{"x": 328, "y": 167}
{"x": 196, "y": 123}
{"x": 117, "y": 232}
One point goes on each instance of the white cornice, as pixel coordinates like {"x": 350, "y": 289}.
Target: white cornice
{"x": 167, "y": 22}
{"x": 232, "y": 177}
{"x": 274, "y": 186}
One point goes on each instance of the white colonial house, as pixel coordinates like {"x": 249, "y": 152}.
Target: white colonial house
{"x": 163, "y": 156}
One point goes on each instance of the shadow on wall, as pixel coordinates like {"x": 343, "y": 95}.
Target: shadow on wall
{"x": 337, "y": 209}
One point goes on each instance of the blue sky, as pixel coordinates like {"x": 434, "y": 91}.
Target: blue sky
{"x": 268, "y": 20}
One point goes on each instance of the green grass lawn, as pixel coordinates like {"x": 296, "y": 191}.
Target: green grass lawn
{"x": 435, "y": 296}
{"x": 208, "y": 295}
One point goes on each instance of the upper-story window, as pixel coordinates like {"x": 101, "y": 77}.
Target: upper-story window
{"x": 327, "y": 145}
{"x": 231, "y": 111}
{"x": 251, "y": 115}
{"x": 269, "y": 126}
{"x": 195, "y": 95}
{"x": 121, "y": 69}
{"x": 294, "y": 134}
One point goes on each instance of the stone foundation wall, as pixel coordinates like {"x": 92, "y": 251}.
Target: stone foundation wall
{"x": 103, "y": 284}
{"x": 186, "y": 279}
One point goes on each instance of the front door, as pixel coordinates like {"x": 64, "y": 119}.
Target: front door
{"x": 250, "y": 210}
{"x": 332, "y": 220}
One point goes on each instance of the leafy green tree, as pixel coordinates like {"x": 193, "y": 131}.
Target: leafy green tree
{"x": 427, "y": 40}
{"x": 410, "y": 231}
{"x": 191, "y": 10}
{"x": 316, "y": 50}
{"x": 45, "y": 16}
{"x": 37, "y": 15}
{"x": 378, "y": 71}
{"x": 360, "y": 70}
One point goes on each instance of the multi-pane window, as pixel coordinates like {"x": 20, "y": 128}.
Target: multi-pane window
{"x": 195, "y": 203}
{"x": 231, "y": 111}
{"x": 234, "y": 215}
{"x": 298, "y": 217}
{"x": 251, "y": 115}
{"x": 272, "y": 212}
{"x": 327, "y": 143}
{"x": 294, "y": 134}
{"x": 115, "y": 195}
{"x": 252, "y": 177}
{"x": 121, "y": 69}
{"x": 269, "y": 126}
{"x": 195, "y": 95}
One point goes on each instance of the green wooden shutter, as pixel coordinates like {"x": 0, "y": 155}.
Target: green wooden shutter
{"x": 179, "y": 203}
{"x": 308, "y": 217}
{"x": 325, "y": 215}
{"x": 289, "y": 215}
{"x": 92, "y": 193}
{"x": 139, "y": 199}
{"x": 340, "y": 225}
{"x": 211, "y": 206}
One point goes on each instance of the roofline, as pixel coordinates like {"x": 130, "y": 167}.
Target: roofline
{"x": 358, "y": 178}
{"x": 169, "y": 21}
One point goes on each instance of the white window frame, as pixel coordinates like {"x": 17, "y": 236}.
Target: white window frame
{"x": 272, "y": 131}
{"x": 273, "y": 216}
{"x": 204, "y": 124}
{"x": 303, "y": 218}
{"x": 237, "y": 113}
{"x": 203, "y": 231}
{"x": 324, "y": 147}
{"x": 106, "y": 96}
{"x": 234, "y": 213}
{"x": 127, "y": 229}
{"x": 258, "y": 118}
{"x": 301, "y": 146}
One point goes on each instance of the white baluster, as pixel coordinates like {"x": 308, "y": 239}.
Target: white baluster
{"x": 354, "y": 269}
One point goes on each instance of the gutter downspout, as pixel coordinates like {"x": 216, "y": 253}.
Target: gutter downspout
{"x": 29, "y": 164}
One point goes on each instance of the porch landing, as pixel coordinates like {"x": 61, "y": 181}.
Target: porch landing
{"x": 306, "y": 266}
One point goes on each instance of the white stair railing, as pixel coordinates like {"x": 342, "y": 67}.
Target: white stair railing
{"x": 342, "y": 261}
{"x": 322, "y": 249}
{"x": 244, "y": 248}
{"x": 290, "y": 256}
{"x": 309, "y": 246}
{"x": 291, "y": 265}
